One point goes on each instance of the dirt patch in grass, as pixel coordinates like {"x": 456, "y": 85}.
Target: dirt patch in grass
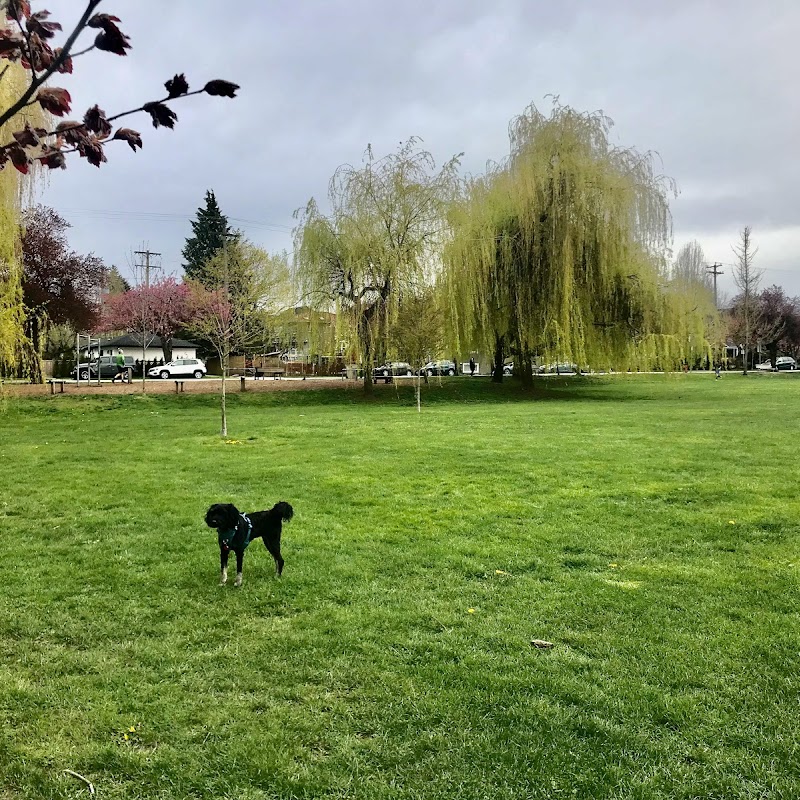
{"x": 168, "y": 387}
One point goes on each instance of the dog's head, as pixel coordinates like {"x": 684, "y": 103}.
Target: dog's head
{"x": 222, "y": 516}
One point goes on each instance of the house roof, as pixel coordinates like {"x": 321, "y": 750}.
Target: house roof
{"x": 132, "y": 340}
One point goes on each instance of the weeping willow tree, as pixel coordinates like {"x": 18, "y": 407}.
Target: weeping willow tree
{"x": 16, "y": 351}
{"x": 381, "y": 239}
{"x": 692, "y": 299}
{"x": 558, "y": 251}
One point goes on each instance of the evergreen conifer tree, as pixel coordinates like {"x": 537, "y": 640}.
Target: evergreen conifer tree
{"x": 211, "y": 230}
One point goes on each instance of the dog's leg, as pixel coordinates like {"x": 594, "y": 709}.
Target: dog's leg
{"x": 275, "y": 551}
{"x": 239, "y": 560}
{"x": 223, "y": 567}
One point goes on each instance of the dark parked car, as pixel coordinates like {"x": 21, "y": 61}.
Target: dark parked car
{"x": 393, "y": 368}
{"x": 106, "y": 364}
{"x": 785, "y": 363}
{"x": 438, "y": 368}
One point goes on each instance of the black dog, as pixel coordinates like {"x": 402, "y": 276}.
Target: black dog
{"x": 236, "y": 530}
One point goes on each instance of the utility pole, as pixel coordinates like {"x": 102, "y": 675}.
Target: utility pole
{"x": 147, "y": 266}
{"x": 715, "y": 270}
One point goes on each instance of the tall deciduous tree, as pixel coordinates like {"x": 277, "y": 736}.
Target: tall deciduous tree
{"x": 58, "y": 285}
{"x": 747, "y": 279}
{"x": 211, "y": 232}
{"x": 557, "y": 249}
{"x": 383, "y": 233}
{"x": 775, "y": 322}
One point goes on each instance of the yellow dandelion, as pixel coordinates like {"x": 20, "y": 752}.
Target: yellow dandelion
{"x": 731, "y": 522}
{"x": 613, "y": 566}
{"x": 500, "y": 572}
{"x": 470, "y": 611}
{"x": 131, "y": 729}
{"x": 126, "y": 737}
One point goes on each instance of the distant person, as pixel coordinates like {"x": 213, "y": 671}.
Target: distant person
{"x": 472, "y": 366}
{"x": 120, "y": 362}
{"x": 717, "y": 371}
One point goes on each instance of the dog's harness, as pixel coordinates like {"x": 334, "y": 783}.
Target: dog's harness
{"x": 227, "y": 541}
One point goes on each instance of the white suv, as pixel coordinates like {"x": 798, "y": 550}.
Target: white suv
{"x": 179, "y": 368}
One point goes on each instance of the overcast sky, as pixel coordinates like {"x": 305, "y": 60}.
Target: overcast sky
{"x": 710, "y": 86}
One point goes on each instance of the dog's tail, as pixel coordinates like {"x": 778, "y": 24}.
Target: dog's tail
{"x": 285, "y": 511}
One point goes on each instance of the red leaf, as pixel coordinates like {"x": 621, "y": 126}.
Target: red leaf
{"x": 37, "y": 23}
{"x": 53, "y": 158}
{"x": 19, "y": 158}
{"x": 92, "y": 151}
{"x": 66, "y": 64}
{"x": 10, "y": 45}
{"x": 221, "y": 88}
{"x": 54, "y": 100}
{"x": 133, "y": 138}
{"x": 161, "y": 114}
{"x": 95, "y": 120}
{"x": 17, "y": 9}
{"x": 71, "y": 132}
{"x": 27, "y": 136}
{"x": 113, "y": 42}
{"x": 177, "y": 86}
{"x": 41, "y": 53}
{"x": 104, "y": 21}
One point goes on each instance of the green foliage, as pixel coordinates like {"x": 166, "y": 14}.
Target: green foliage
{"x": 670, "y": 595}
{"x": 382, "y": 235}
{"x": 559, "y": 249}
{"x": 211, "y": 231}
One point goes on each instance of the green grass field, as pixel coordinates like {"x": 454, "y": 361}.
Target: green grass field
{"x": 647, "y": 526}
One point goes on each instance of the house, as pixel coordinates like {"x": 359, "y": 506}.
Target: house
{"x": 131, "y": 345}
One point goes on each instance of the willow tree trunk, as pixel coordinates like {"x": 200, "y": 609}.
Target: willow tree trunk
{"x": 32, "y": 350}
{"x": 499, "y": 358}
{"x": 525, "y": 367}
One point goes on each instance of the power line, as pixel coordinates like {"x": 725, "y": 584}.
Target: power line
{"x": 155, "y": 216}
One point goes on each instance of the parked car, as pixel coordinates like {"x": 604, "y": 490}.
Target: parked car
{"x": 107, "y": 366}
{"x": 179, "y": 368}
{"x": 785, "y": 363}
{"x": 439, "y": 368}
{"x": 393, "y": 368}
{"x": 764, "y": 366}
{"x": 508, "y": 369}
{"x": 560, "y": 369}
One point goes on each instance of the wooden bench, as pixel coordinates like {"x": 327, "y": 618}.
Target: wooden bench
{"x": 277, "y": 374}
{"x": 178, "y": 386}
{"x": 53, "y": 382}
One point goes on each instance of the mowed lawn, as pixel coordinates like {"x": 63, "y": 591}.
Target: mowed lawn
{"x": 648, "y": 526}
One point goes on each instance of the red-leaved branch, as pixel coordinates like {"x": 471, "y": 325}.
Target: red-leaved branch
{"x": 26, "y": 39}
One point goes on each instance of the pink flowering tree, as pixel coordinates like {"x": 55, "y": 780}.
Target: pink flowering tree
{"x": 160, "y": 309}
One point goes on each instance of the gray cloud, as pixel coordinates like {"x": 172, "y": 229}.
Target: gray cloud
{"x": 709, "y": 85}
